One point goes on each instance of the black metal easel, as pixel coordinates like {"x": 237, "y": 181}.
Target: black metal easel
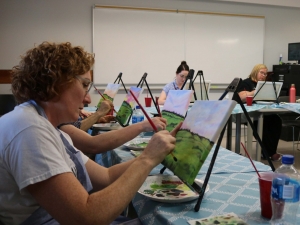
{"x": 191, "y": 84}
{"x": 200, "y": 74}
{"x": 201, "y": 190}
{"x": 231, "y": 88}
{"x": 274, "y": 86}
{"x": 260, "y": 88}
{"x": 141, "y": 83}
{"x": 119, "y": 78}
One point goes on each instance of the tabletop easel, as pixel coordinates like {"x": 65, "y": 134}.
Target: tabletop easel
{"x": 268, "y": 78}
{"x": 141, "y": 83}
{"x": 191, "y": 84}
{"x": 231, "y": 88}
{"x": 119, "y": 79}
{"x": 200, "y": 74}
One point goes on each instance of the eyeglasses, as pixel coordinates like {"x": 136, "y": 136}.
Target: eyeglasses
{"x": 263, "y": 73}
{"x": 86, "y": 84}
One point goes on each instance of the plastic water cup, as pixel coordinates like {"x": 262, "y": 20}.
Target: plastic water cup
{"x": 265, "y": 186}
{"x": 249, "y": 100}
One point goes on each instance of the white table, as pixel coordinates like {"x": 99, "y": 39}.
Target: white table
{"x": 259, "y": 114}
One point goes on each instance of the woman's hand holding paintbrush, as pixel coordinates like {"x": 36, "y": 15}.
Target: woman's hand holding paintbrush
{"x": 104, "y": 99}
{"x": 106, "y": 107}
{"x": 161, "y": 144}
{"x": 151, "y": 122}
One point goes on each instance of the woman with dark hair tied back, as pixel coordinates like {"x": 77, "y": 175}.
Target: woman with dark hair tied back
{"x": 181, "y": 75}
{"x": 44, "y": 178}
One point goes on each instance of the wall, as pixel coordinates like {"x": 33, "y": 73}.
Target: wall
{"x": 23, "y": 23}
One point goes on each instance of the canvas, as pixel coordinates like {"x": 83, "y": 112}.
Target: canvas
{"x": 127, "y": 106}
{"x": 109, "y": 93}
{"x": 176, "y": 106}
{"x": 196, "y": 137}
{"x": 266, "y": 91}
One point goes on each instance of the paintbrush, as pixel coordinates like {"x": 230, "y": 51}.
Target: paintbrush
{"x": 158, "y": 109}
{"x": 103, "y": 96}
{"x": 250, "y": 159}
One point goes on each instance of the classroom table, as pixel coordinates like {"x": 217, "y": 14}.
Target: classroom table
{"x": 259, "y": 114}
{"x": 233, "y": 187}
{"x": 256, "y": 112}
{"x": 237, "y": 112}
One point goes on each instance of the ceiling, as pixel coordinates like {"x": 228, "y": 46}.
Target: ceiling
{"x": 284, "y": 3}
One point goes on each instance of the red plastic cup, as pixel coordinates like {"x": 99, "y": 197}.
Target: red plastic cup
{"x": 148, "y": 101}
{"x": 265, "y": 186}
{"x": 249, "y": 100}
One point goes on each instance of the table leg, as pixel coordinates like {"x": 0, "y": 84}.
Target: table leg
{"x": 238, "y": 133}
{"x": 229, "y": 134}
{"x": 260, "y": 132}
{"x": 249, "y": 139}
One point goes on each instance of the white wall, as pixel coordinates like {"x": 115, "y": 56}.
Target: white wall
{"x": 23, "y": 23}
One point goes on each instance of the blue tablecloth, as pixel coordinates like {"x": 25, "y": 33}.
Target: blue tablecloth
{"x": 226, "y": 162}
{"x": 294, "y": 107}
{"x": 236, "y": 192}
{"x": 233, "y": 187}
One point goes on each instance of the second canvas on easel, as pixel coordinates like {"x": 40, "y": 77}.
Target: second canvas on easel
{"x": 109, "y": 93}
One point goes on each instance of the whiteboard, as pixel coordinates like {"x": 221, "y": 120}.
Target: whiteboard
{"x": 135, "y": 42}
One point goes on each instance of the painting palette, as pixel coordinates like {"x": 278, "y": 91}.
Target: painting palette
{"x": 168, "y": 188}
{"x": 229, "y": 218}
{"x": 107, "y": 126}
{"x": 137, "y": 143}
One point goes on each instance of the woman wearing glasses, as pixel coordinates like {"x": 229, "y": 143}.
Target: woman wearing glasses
{"x": 44, "y": 179}
{"x": 247, "y": 87}
{"x": 181, "y": 74}
{"x": 272, "y": 123}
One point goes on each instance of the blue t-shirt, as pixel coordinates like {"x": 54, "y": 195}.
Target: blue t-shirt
{"x": 170, "y": 86}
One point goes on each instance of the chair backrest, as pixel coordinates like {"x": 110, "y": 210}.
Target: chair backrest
{"x": 7, "y": 103}
{"x": 286, "y": 98}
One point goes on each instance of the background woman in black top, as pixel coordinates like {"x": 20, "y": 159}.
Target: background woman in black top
{"x": 272, "y": 123}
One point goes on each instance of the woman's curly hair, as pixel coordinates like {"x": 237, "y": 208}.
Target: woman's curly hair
{"x": 48, "y": 69}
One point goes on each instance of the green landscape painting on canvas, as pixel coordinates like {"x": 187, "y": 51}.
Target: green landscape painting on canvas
{"x": 196, "y": 137}
{"x": 176, "y": 106}
{"x": 109, "y": 93}
{"x": 127, "y": 106}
